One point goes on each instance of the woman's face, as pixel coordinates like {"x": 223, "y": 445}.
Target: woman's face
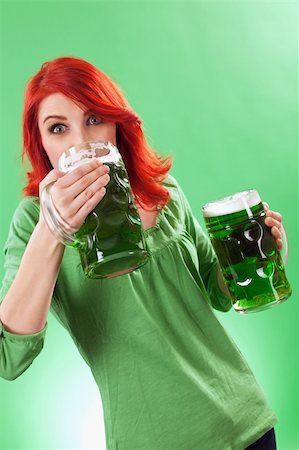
{"x": 62, "y": 124}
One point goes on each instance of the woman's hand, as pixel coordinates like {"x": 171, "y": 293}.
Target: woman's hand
{"x": 274, "y": 220}
{"x": 76, "y": 193}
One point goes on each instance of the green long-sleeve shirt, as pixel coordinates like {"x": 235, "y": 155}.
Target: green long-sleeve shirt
{"x": 169, "y": 375}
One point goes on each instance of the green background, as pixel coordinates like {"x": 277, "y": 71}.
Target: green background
{"x": 215, "y": 84}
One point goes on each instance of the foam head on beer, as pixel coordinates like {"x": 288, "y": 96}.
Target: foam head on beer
{"x": 232, "y": 204}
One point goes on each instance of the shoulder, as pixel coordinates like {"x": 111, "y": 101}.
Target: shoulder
{"x": 28, "y": 206}
{"x": 170, "y": 181}
{"x": 172, "y": 184}
{"x": 177, "y": 202}
{"x": 175, "y": 189}
{"x": 26, "y": 214}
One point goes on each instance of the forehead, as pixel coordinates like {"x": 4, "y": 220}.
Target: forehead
{"x": 56, "y": 103}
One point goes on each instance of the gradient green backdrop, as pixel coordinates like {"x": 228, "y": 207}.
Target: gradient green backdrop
{"x": 216, "y": 86}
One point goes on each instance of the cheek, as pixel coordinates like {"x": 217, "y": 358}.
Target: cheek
{"x": 113, "y": 138}
{"x": 53, "y": 158}
{"x": 109, "y": 134}
{"x": 53, "y": 151}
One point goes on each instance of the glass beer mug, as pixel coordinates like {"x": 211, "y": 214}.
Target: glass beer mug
{"x": 111, "y": 240}
{"x": 252, "y": 266}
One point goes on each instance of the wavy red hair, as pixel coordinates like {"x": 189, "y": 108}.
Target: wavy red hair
{"x": 86, "y": 85}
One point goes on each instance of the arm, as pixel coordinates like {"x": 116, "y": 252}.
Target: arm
{"x": 209, "y": 267}
{"x": 32, "y": 261}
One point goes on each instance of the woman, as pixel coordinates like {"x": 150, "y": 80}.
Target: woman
{"x": 170, "y": 376}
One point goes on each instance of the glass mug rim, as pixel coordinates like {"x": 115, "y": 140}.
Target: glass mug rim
{"x": 251, "y": 196}
{"x": 92, "y": 148}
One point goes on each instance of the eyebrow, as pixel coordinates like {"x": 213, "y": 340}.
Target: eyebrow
{"x": 55, "y": 117}
{"x": 65, "y": 118}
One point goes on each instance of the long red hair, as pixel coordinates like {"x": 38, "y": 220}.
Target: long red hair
{"x": 86, "y": 85}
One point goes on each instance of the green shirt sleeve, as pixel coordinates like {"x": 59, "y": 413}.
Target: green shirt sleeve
{"x": 17, "y": 351}
{"x": 208, "y": 261}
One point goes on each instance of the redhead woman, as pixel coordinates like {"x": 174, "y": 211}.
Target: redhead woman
{"x": 169, "y": 375}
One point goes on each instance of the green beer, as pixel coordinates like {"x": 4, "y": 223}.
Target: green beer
{"x": 251, "y": 264}
{"x": 111, "y": 240}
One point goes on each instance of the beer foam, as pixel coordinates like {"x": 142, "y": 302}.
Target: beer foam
{"x": 232, "y": 204}
{"x": 82, "y": 154}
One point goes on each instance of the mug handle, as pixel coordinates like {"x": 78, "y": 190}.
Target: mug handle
{"x": 285, "y": 246}
{"x": 284, "y": 252}
{"x": 59, "y": 227}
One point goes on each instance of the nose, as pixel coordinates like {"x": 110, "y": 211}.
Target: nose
{"x": 80, "y": 135}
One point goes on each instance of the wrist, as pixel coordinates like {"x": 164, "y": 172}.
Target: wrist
{"x": 43, "y": 229}
{"x": 221, "y": 283}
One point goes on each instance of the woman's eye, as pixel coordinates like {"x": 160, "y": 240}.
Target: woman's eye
{"x": 56, "y": 128}
{"x": 94, "y": 120}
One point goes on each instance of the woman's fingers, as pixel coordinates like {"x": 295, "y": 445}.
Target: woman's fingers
{"x": 98, "y": 185}
{"x": 274, "y": 214}
{"x": 270, "y": 222}
{"x": 276, "y": 232}
{"x": 279, "y": 244}
{"x": 84, "y": 183}
{"x": 71, "y": 197}
{"x": 270, "y": 213}
{"x": 76, "y": 174}
{"x": 273, "y": 218}
{"x": 51, "y": 177}
{"x": 75, "y": 194}
{"x": 274, "y": 221}
{"x": 89, "y": 204}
